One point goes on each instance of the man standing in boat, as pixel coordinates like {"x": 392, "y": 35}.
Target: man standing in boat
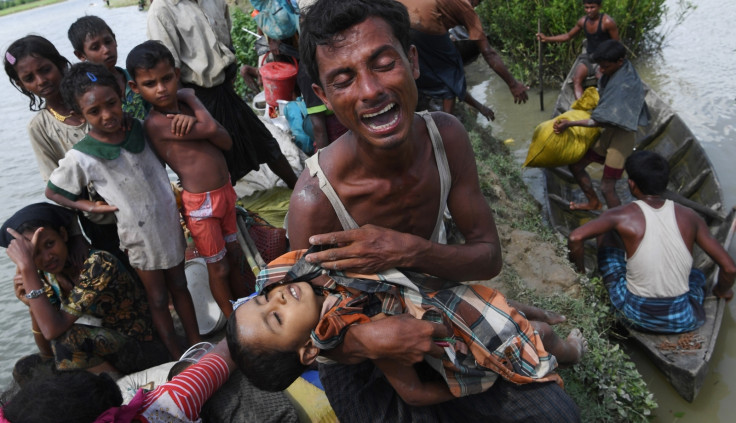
{"x": 379, "y": 192}
{"x": 597, "y": 27}
{"x": 620, "y": 111}
{"x": 645, "y": 253}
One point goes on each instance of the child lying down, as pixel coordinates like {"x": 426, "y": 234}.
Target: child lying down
{"x": 302, "y": 310}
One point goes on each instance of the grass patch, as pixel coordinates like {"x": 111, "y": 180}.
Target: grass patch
{"x": 27, "y": 6}
{"x": 605, "y": 385}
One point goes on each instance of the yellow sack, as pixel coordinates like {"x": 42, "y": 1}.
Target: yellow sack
{"x": 551, "y": 150}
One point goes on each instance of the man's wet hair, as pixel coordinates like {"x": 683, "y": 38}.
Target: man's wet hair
{"x": 266, "y": 368}
{"x": 609, "y": 51}
{"x": 86, "y": 26}
{"x": 649, "y": 171}
{"x": 148, "y": 55}
{"x": 325, "y": 19}
{"x": 81, "y": 78}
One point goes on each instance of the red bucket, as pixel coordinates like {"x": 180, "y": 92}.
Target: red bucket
{"x": 278, "y": 81}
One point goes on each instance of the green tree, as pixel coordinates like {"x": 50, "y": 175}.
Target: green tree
{"x": 512, "y": 24}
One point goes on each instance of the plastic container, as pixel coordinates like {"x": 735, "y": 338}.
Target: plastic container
{"x": 259, "y": 103}
{"x": 209, "y": 316}
{"x": 278, "y": 80}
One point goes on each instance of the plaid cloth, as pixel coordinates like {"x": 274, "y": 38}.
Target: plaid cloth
{"x": 489, "y": 337}
{"x": 679, "y": 314}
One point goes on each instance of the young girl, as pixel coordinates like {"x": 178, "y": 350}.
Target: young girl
{"x": 135, "y": 186}
{"x": 35, "y": 68}
{"x": 95, "y": 316}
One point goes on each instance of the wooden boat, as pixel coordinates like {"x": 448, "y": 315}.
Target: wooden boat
{"x": 693, "y": 182}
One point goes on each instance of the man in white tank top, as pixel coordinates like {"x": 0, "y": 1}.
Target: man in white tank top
{"x": 645, "y": 253}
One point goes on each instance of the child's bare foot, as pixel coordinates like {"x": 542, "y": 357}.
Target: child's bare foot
{"x": 552, "y": 318}
{"x": 592, "y": 205}
{"x": 577, "y": 342}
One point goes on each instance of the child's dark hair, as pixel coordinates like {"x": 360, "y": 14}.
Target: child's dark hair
{"x": 598, "y": 2}
{"x": 649, "y": 171}
{"x": 36, "y": 46}
{"x": 69, "y": 397}
{"x": 324, "y": 20}
{"x": 266, "y": 368}
{"x": 147, "y": 55}
{"x": 80, "y": 78}
{"x": 609, "y": 51}
{"x": 86, "y": 26}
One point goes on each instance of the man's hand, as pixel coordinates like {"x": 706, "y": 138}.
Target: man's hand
{"x": 369, "y": 249}
{"x": 181, "y": 124}
{"x": 518, "y": 90}
{"x": 401, "y": 338}
{"x": 560, "y": 125}
{"x": 251, "y": 77}
{"x": 727, "y": 295}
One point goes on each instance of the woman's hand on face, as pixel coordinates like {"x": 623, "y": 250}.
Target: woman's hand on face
{"x": 20, "y": 291}
{"x": 20, "y": 249}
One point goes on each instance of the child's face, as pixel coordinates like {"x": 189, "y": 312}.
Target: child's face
{"x": 101, "y": 49}
{"x": 282, "y": 319}
{"x": 158, "y": 85}
{"x": 609, "y": 68}
{"x": 39, "y": 75}
{"x": 102, "y": 109}
{"x": 592, "y": 10}
{"x": 50, "y": 252}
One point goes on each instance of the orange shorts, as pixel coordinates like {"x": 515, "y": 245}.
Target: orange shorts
{"x": 210, "y": 217}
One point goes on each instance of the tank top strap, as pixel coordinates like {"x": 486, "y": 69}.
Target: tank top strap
{"x": 443, "y": 168}
{"x": 315, "y": 169}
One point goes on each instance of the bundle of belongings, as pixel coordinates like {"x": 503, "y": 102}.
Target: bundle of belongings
{"x": 551, "y": 150}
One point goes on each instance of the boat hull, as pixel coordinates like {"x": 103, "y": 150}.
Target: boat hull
{"x": 693, "y": 182}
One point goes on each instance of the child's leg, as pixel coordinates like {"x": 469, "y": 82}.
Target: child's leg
{"x": 176, "y": 282}
{"x": 219, "y": 274}
{"x": 242, "y": 279}
{"x": 536, "y": 313}
{"x": 581, "y": 72}
{"x": 158, "y": 300}
{"x": 567, "y": 352}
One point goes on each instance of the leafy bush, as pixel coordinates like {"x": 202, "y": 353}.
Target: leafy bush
{"x": 512, "y": 25}
{"x": 244, "y": 44}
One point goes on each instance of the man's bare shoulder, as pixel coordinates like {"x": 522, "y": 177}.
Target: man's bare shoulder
{"x": 451, "y": 129}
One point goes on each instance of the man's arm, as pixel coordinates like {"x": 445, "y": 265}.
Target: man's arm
{"x": 609, "y": 25}
{"x": 562, "y": 38}
{"x": 711, "y": 246}
{"x": 405, "y": 381}
{"x": 605, "y": 223}
{"x": 561, "y": 124}
{"x": 491, "y": 56}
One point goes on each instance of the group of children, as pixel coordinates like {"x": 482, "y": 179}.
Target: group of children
{"x": 101, "y": 158}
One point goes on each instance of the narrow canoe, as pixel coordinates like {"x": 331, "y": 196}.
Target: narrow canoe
{"x": 693, "y": 182}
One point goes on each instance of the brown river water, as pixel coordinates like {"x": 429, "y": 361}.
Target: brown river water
{"x": 694, "y": 74}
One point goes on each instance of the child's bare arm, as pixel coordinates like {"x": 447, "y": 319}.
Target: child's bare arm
{"x": 207, "y": 127}
{"x": 80, "y": 204}
{"x": 411, "y": 389}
